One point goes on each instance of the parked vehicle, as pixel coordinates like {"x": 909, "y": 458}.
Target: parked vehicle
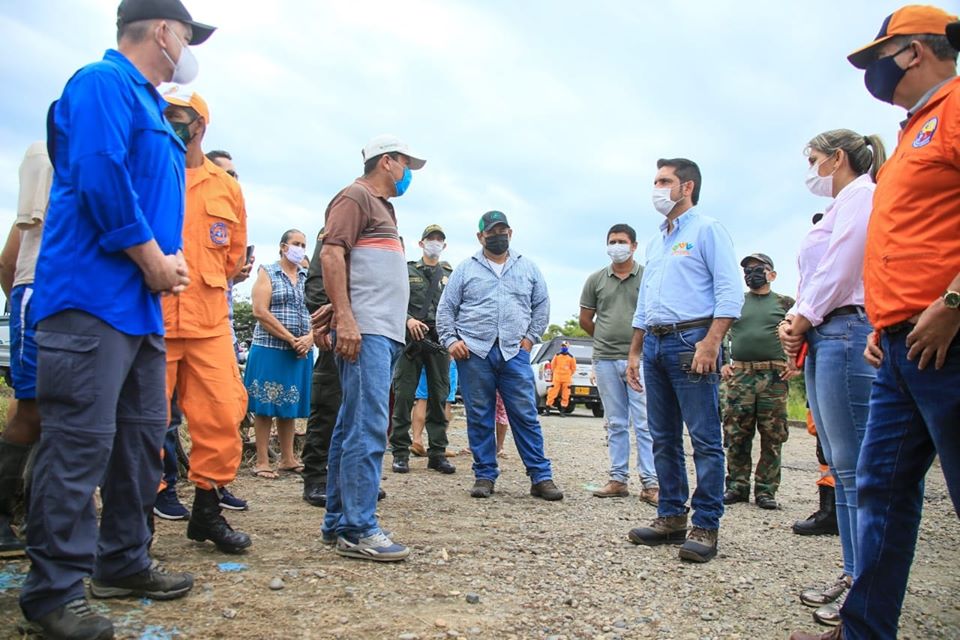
{"x": 582, "y": 391}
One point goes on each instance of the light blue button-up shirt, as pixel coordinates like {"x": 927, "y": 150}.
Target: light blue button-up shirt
{"x": 691, "y": 273}
{"x": 480, "y": 308}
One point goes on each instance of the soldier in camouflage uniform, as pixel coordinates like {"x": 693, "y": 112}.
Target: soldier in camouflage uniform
{"x": 756, "y": 388}
{"x": 428, "y": 277}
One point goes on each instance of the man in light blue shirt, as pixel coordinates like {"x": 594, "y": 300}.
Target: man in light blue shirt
{"x": 492, "y": 311}
{"x": 689, "y": 297}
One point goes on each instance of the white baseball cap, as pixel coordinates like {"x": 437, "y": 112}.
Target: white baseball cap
{"x": 387, "y": 143}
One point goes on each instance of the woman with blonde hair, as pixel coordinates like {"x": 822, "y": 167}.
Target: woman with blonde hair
{"x": 829, "y": 324}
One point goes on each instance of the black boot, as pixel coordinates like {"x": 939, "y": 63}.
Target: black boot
{"x": 824, "y": 521}
{"x": 441, "y": 464}
{"x": 206, "y": 523}
{"x": 12, "y": 459}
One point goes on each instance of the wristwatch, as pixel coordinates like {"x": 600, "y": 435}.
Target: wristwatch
{"x": 951, "y": 299}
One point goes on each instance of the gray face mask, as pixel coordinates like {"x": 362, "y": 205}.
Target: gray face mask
{"x": 619, "y": 252}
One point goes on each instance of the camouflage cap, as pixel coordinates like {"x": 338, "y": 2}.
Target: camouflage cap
{"x": 433, "y": 228}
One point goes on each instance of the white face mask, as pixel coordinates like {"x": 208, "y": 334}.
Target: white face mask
{"x": 662, "y": 201}
{"x": 819, "y": 185}
{"x": 295, "y": 254}
{"x": 432, "y": 249}
{"x": 185, "y": 69}
{"x": 619, "y": 252}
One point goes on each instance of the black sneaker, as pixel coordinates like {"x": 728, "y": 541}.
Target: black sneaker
{"x": 401, "y": 465}
{"x": 766, "y": 502}
{"x": 149, "y": 583}
{"x": 315, "y": 495}
{"x": 73, "y": 621}
{"x": 439, "y": 463}
{"x": 732, "y": 497}
{"x": 231, "y": 502}
{"x": 168, "y": 506}
{"x": 482, "y": 489}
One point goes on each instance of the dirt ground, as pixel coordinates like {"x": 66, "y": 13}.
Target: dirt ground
{"x": 516, "y": 567}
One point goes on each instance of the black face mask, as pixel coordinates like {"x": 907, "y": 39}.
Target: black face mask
{"x": 498, "y": 244}
{"x": 182, "y": 129}
{"x": 755, "y": 278}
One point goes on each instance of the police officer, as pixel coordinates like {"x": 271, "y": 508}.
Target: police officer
{"x": 428, "y": 276}
{"x": 756, "y": 394}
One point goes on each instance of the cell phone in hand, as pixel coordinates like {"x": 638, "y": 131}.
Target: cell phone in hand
{"x": 250, "y": 249}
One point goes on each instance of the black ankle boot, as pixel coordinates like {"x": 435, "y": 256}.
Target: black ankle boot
{"x": 12, "y": 459}
{"x": 824, "y": 521}
{"x": 206, "y": 523}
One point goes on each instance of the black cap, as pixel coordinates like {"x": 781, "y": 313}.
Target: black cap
{"x": 137, "y": 10}
{"x": 491, "y": 219}
{"x": 953, "y": 34}
{"x": 759, "y": 257}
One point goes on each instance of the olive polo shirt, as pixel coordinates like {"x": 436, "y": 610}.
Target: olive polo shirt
{"x": 614, "y": 301}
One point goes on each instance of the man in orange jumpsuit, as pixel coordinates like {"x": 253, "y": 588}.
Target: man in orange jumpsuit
{"x": 563, "y": 366}
{"x": 201, "y": 363}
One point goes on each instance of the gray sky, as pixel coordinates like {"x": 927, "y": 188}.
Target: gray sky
{"x": 554, "y": 112}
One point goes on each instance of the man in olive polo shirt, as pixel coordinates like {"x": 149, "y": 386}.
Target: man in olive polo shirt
{"x": 607, "y": 305}
{"x": 756, "y": 394}
{"x": 428, "y": 276}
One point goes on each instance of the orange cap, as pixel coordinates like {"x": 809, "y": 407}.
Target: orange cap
{"x": 180, "y": 97}
{"x": 914, "y": 19}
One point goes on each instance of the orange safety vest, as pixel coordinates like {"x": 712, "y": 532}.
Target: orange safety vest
{"x": 214, "y": 246}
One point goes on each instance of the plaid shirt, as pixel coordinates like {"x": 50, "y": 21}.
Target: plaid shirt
{"x": 287, "y": 305}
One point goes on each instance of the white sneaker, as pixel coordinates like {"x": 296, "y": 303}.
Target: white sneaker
{"x": 377, "y": 547}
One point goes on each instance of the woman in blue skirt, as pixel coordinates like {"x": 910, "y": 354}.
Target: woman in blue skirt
{"x": 281, "y": 358}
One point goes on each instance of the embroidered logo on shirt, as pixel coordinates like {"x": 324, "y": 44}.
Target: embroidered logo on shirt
{"x": 218, "y": 233}
{"x": 681, "y": 249}
{"x": 926, "y": 133}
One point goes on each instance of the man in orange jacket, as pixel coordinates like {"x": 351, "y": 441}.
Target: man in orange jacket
{"x": 563, "y": 366}
{"x": 201, "y": 364}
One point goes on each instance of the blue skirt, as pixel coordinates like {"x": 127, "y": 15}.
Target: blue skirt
{"x": 278, "y": 382}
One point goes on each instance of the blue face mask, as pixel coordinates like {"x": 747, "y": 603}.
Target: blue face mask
{"x": 883, "y": 75}
{"x": 404, "y": 183}
{"x": 564, "y": 350}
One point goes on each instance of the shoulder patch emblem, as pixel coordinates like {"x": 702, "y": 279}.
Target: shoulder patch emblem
{"x": 218, "y": 233}
{"x": 926, "y": 133}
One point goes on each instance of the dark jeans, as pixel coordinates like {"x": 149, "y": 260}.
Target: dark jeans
{"x": 405, "y": 382}
{"x": 914, "y": 416}
{"x": 675, "y": 397}
{"x": 171, "y": 460}
{"x": 325, "y": 396}
{"x": 103, "y": 409}
{"x": 480, "y": 379}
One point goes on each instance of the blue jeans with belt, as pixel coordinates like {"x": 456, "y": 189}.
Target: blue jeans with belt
{"x": 675, "y": 397}
{"x": 838, "y": 383}
{"x": 914, "y": 416}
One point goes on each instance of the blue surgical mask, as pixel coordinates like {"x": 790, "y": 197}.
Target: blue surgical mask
{"x": 403, "y": 183}
{"x": 883, "y": 75}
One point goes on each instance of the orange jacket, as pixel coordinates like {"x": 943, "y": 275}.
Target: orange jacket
{"x": 913, "y": 239}
{"x": 563, "y": 367}
{"x": 214, "y": 245}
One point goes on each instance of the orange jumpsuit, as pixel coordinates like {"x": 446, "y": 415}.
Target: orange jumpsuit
{"x": 826, "y": 478}
{"x": 201, "y": 363}
{"x": 563, "y": 367}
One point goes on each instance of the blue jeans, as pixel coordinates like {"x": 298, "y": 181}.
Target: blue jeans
{"x": 675, "y": 397}
{"x": 360, "y": 438}
{"x": 838, "y": 388}
{"x": 914, "y": 415}
{"x": 480, "y": 379}
{"x": 170, "y": 459}
{"x": 623, "y": 406}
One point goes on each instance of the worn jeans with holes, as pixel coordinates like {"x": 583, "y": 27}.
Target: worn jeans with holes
{"x": 914, "y": 416}
{"x": 675, "y": 397}
{"x": 360, "y": 438}
{"x": 623, "y": 407}
{"x": 838, "y": 383}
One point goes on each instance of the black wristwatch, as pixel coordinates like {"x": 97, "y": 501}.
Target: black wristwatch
{"x": 951, "y": 299}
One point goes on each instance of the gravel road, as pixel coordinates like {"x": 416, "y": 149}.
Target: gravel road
{"x": 516, "y": 567}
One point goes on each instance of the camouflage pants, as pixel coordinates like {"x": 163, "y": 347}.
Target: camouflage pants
{"x": 755, "y": 402}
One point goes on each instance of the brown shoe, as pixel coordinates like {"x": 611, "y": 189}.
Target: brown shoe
{"x": 651, "y": 495}
{"x": 418, "y": 450}
{"x": 547, "y": 490}
{"x": 834, "y": 634}
{"x": 612, "y": 489}
{"x": 671, "y": 530}
{"x": 701, "y": 545}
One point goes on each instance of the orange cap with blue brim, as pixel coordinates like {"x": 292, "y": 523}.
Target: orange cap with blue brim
{"x": 912, "y": 20}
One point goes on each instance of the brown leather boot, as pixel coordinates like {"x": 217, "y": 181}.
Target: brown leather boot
{"x": 651, "y": 495}
{"x": 612, "y": 489}
{"x": 834, "y": 634}
{"x": 669, "y": 530}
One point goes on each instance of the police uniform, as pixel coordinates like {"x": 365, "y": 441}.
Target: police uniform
{"x": 756, "y": 397}
{"x": 436, "y": 362}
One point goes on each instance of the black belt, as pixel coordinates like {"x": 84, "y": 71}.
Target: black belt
{"x": 664, "y": 329}
{"x": 846, "y": 310}
{"x": 900, "y": 327}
